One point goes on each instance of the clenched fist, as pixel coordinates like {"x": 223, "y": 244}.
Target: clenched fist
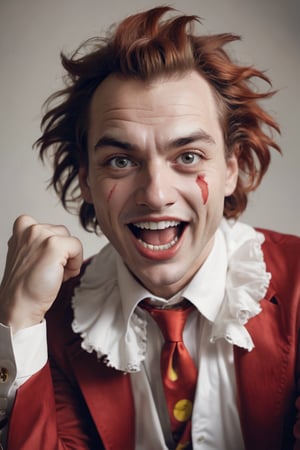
{"x": 40, "y": 257}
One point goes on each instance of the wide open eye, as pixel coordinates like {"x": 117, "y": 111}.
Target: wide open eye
{"x": 188, "y": 158}
{"x": 120, "y": 162}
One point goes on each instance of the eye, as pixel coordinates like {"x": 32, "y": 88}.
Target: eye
{"x": 120, "y": 162}
{"x": 189, "y": 158}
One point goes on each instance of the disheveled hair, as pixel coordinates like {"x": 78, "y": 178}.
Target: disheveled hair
{"x": 144, "y": 46}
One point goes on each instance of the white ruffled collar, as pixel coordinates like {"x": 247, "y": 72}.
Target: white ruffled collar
{"x": 105, "y": 303}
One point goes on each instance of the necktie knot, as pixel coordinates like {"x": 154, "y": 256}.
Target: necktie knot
{"x": 171, "y": 321}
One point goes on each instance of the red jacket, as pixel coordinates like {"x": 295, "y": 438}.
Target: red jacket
{"x": 91, "y": 406}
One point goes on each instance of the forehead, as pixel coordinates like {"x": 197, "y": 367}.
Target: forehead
{"x": 183, "y": 101}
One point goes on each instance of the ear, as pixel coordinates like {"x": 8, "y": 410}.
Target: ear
{"x": 84, "y": 184}
{"x": 232, "y": 172}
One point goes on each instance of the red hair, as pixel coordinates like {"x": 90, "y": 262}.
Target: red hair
{"x": 145, "y": 47}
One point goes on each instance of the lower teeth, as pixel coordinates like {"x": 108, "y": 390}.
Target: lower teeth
{"x": 159, "y": 247}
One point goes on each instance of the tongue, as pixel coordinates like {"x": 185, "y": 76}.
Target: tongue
{"x": 158, "y": 237}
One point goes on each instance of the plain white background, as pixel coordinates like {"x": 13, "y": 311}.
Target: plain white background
{"x": 33, "y": 32}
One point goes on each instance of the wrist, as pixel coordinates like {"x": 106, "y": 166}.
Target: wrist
{"x": 19, "y": 318}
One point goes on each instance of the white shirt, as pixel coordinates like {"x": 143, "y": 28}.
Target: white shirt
{"x": 225, "y": 302}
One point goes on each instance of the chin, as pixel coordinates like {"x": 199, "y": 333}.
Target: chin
{"x": 162, "y": 284}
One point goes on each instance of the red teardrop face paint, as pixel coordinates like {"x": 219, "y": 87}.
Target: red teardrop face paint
{"x": 203, "y": 188}
{"x": 111, "y": 192}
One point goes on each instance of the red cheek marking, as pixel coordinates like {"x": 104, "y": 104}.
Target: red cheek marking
{"x": 111, "y": 192}
{"x": 203, "y": 187}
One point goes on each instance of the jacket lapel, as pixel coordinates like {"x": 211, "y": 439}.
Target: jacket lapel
{"x": 108, "y": 395}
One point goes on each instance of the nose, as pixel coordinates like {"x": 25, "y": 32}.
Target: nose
{"x": 155, "y": 187}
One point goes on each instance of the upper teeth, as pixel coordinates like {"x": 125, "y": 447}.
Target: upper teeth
{"x": 157, "y": 225}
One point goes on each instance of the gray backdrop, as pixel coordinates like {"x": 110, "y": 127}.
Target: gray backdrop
{"x": 33, "y": 32}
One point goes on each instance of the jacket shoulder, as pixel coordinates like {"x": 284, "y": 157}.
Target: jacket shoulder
{"x": 283, "y": 246}
{"x": 282, "y": 257}
{"x": 279, "y": 238}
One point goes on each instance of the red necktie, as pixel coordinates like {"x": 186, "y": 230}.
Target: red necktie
{"x": 178, "y": 370}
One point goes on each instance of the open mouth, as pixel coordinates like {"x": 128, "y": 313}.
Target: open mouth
{"x": 161, "y": 235}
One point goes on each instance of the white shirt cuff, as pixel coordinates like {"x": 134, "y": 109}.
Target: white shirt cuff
{"x": 26, "y": 350}
{"x": 30, "y": 350}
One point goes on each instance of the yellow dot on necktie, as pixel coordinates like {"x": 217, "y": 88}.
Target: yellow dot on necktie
{"x": 183, "y": 410}
{"x": 182, "y": 446}
{"x": 172, "y": 375}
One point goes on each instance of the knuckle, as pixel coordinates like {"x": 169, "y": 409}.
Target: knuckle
{"x": 19, "y": 223}
{"x": 22, "y": 223}
{"x": 52, "y": 242}
{"x": 62, "y": 229}
{"x": 32, "y": 232}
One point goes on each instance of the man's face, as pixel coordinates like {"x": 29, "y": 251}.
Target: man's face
{"x": 157, "y": 175}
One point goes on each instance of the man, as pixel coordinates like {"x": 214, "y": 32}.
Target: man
{"x": 164, "y": 138}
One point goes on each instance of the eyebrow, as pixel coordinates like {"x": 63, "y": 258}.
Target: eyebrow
{"x": 108, "y": 141}
{"x": 199, "y": 135}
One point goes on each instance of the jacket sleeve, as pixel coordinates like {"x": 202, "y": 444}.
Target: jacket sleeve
{"x": 38, "y": 419}
{"x": 49, "y": 411}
